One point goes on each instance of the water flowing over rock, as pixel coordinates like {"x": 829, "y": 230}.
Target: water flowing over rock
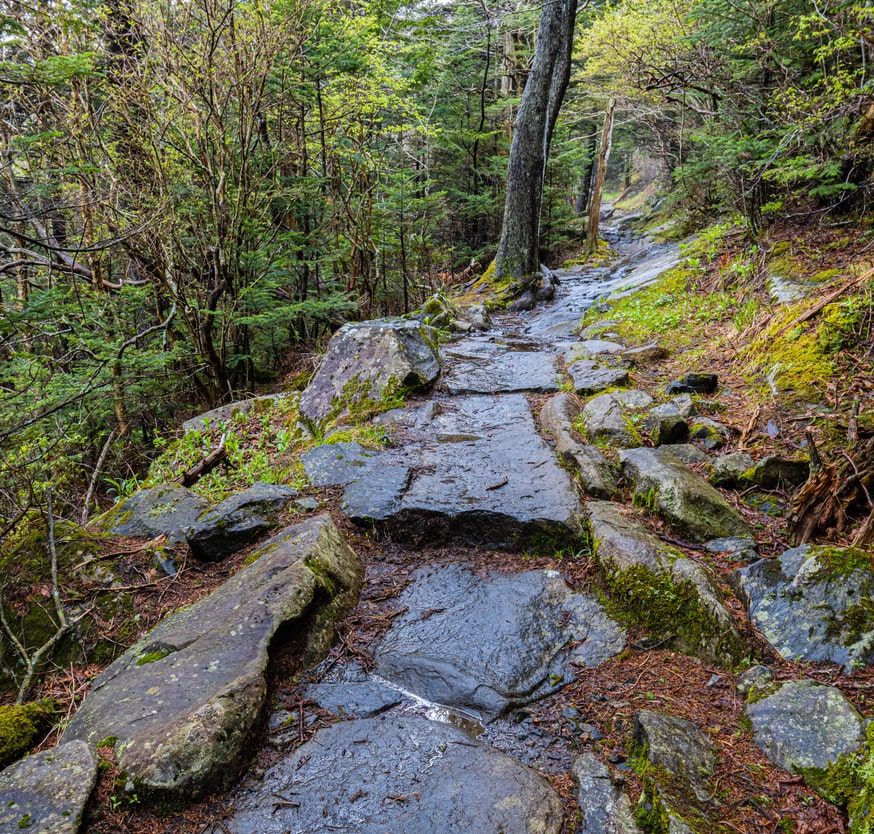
{"x": 811, "y": 603}
{"x": 804, "y": 725}
{"x": 397, "y": 775}
{"x": 47, "y": 792}
{"x": 484, "y": 645}
{"x": 680, "y": 496}
{"x": 498, "y": 369}
{"x": 368, "y": 362}
{"x": 672, "y": 597}
{"x": 183, "y": 702}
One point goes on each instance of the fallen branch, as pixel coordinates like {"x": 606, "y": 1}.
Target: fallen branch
{"x": 204, "y": 467}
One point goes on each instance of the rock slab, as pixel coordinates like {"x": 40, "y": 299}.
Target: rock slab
{"x": 368, "y": 361}
{"x": 184, "y": 701}
{"x": 47, "y": 792}
{"x": 397, "y": 775}
{"x": 484, "y": 645}
{"x": 163, "y": 510}
{"x": 604, "y": 807}
{"x": 813, "y": 603}
{"x": 504, "y": 372}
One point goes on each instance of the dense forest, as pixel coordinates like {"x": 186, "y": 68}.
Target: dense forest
{"x": 194, "y": 194}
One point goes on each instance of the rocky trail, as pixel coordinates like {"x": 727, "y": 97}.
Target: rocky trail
{"x": 553, "y": 617}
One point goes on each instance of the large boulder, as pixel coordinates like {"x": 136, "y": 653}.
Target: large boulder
{"x": 184, "y": 701}
{"x": 400, "y": 774}
{"x": 237, "y": 521}
{"x": 674, "y": 598}
{"x": 486, "y": 644}
{"x": 813, "y": 603}
{"x": 368, "y": 364}
{"x": 680, "y": 496}
{"x": 163, "y": 510}
{"x": 47, "y": 792}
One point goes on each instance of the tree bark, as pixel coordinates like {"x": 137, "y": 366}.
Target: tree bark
{"x": 592, "y": 227}
{"x": 518, "y": 255}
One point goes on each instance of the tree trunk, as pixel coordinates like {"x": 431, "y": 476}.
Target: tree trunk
{"x": 518, "y": 255}
{"x": 600, "y": 175}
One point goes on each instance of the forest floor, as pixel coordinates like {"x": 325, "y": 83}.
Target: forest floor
{"x": 834, "y": 410}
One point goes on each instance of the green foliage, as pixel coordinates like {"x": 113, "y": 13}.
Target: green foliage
{"x": 21, "y": 726}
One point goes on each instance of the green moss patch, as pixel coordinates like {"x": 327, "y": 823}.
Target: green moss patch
{"x": 20, "y": 727}
{"x": 849, "y": 782}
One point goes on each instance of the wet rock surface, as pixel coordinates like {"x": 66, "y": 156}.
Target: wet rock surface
{"x": 604, "y": 808}
{"x": 680, "y": 496}
{"x": 804, "y": 725}
{"x": 184, "y": 701}
{"x": 590, "y": 377}
{"x": 47, "y": 792}
{"x": 502, "y": 371}
{"x": 350, "y": 692}
{"x": 606, "y": 418}
{"x": 438, "y": 779}
{"x": 486, "y": 644}
{"x": 810, "y": 603}
{"x": 164, "y": 510}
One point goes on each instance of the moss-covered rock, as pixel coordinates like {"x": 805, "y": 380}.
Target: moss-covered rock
{"x": 21, "y": 726}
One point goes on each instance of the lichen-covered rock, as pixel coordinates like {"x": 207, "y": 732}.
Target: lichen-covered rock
{"x": 672, "y": 597}
{"x": 605, "y": 808}
{"x": 813, "y": 603}
{"x": 735, "y": 547}
{"x": 20, "y": 724}
{"x": 728, "y": 470}
{"x": 687, "y": 453}
{"x": 679, "y": 746}
{"x": 645, "y": 354}
{"x": 184, "y": 701}
{"x": 702, "y": 383}
{"x": 237, "y": 521}
{"x": 756, "y": 677}
{"x": 163, "y": 510}
{"x": 590, "y": 376}
{"x": 605, "y": 419}
{"x": 367, "y": 364}
{"x": 597, "y": 475}
{"x": 47, "y": 792}
{"x": 399, "y": 774}
{"x": 680, "y": 496}
{"x": 805, "y": 726}
{"x": 778, "y": 473}
{"x": 710, "y": 433}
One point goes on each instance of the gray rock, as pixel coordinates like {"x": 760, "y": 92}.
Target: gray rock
{"x": 237, "y": 521}
{"x": 478, "y": 316}
{"x": 484, "y": 475}
{"x": 504, "y": 372}
{"x": 591, "y": 348}
{"x": 376, "y": 496}
{"x": 524, "y": 302}
{"x": 805, "y": 725}
{"x": 47, "y": 792}
{"x": 164, "y": 510}
{"x": 743, "y": 550}
{"x": 599, "y": 327}
{"x": 680, "y": 747}
{"x": 813, "y": 603}
{"x": 606, "y": 420}
{"x": 671, "y": 596}
{"x": 782, "y": 286}
{"x": 694, "y": 384}
{"x": 335, "y": 464}
{"x": 680, "y": 496}
{"x": 184, "y": 701}
{"x": 484, "y": 645}
{"x": 350, "y": 692}
{"x": 756, "y": 677}
{"x": 728, "y": 470}
{"x": 597, "y": 475}
{"x": 645, "y": 354}
{"x": 633, "y": 400}
{"x": 709, "y": 432}
{"x": 665, "y": 429}
{"x": 590, "y": 377}
{"x": 226, "y": 413}
{"x": 367, "y": 362}
{"x": 777, "y": 473}
{"x": 687, "y": 453}
{"x": 605, "y": 808}
{"x": 397, "y": 775}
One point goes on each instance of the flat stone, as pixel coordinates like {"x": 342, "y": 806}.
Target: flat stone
{"x": 605, "y": 808}
{"x": 590, "y": 377}
{"x": 377, "y": 495}
{"x": 399, "y": 774}
{"x": 645, "y": 354}
{"x": 368, "y": 361}
{"x": 673, "y": 597}
{"x": 597, "y": 475}
{"x": 805, "y": 725}
{"x": 728, "y": 470}
{"x": 185, "y": 700}
{"x": 680, "y": 496}
{"x": 633, "y": 400}
{"x": 484, "y": 645}
{"x": 741, "y": 549}
{"x": 47, "y": 792}
{"x": 335, "y": 464}
{"x": 680, "y": 747}
{"x": 509, "y": 371}
{"x": 813, "y": 603}
{"x": 237, "y": 521}
{"x": 484, "y": 475}
{"x": 350, "y": 692}
{"x": 590, "y": 348}
{"x": 694, "y": 384}
{"x": 687, "y": 453}
{"x": 164, "y": 510}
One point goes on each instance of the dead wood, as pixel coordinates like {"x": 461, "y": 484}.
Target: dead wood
{"x": 205, "y": 466}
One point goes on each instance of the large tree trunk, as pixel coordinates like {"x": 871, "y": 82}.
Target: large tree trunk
{"x": 541, "y": 100}
{"x": 592, "y": 227}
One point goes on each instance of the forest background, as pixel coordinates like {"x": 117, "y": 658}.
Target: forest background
{"x": 194, "y": 194}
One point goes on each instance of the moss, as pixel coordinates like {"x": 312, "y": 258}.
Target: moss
{"x": 849, "y": 782}
{"x": 20, "y": 727}
{"x": 651, "y": 815}
{"x": 109, "y": 742}
{"x": 841, "y": 562}
{"x": 158, "y": 653}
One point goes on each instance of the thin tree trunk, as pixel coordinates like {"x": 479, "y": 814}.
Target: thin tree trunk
{"x": 592, "y": 228}
{"x": 518, "y": 254}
